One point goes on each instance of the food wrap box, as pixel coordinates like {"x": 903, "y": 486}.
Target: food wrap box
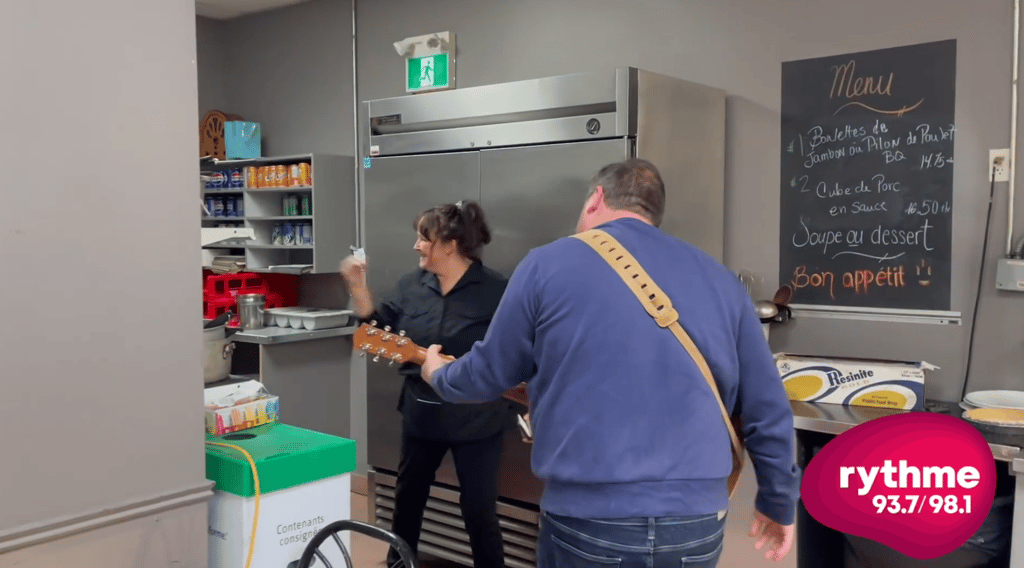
{"x": 897, "y": 385}
{"x": 237, "y": 407}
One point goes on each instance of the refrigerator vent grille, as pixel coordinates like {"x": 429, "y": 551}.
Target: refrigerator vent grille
{"x": 444, "y": 533}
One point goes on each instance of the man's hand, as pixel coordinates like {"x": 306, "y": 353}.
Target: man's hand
{"x": 431, "y": 363}
{"x": 779, "y": 538}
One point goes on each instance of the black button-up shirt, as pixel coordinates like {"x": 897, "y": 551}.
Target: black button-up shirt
{"x": 455, "y": 321}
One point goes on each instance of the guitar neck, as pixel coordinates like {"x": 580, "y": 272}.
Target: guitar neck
{"x": 421, "y": 355}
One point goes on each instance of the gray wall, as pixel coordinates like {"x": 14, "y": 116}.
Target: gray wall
{"x": 100, "y": 347}
{"x": 290, "y": 70}
{"x": 212, "y": 63}
{"x": 738, "y": 45}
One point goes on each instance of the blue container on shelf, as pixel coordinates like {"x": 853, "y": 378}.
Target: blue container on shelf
{"x": 242, "y": 140}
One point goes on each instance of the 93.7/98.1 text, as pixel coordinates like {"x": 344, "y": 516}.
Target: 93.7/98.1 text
{"x": 910, "y": 504}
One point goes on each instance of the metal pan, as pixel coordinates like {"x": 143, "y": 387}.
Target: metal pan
{"x": 998, "y": 433}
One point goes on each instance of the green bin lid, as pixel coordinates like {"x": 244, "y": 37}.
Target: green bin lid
{"x": 285, "y": 456}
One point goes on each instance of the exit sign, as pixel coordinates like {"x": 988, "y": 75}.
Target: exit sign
{"x": 427, "y": 73}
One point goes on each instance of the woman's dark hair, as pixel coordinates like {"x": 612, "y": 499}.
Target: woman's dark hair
{"x": 462, "y": 222}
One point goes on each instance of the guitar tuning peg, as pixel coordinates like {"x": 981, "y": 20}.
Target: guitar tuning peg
{"x": 376, "y": 358}
{"x": 402, "y": 333}
{"x": 390, "y": 363}
{"x": 373, "y": 323}
{"x": 387, "y": 328}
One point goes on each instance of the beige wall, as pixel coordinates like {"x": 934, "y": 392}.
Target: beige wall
{"x": 100, "y": 345}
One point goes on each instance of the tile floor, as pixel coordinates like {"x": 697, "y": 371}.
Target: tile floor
{"x": 738, "y": 550}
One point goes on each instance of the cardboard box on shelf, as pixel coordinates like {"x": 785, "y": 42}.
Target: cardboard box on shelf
{"x": 897, "y": 385}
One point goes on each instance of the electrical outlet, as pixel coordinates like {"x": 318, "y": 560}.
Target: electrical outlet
{"x": 1000, "y": 159}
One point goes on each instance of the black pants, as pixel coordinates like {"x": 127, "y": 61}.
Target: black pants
{"x": 476, "y": 464}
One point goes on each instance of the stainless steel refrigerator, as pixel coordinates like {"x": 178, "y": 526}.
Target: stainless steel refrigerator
{"x": 526, "y": 152}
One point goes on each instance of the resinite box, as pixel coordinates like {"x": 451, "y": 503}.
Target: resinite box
{"x": 898, "y": 385}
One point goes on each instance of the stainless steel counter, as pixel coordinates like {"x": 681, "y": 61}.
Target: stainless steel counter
{"x": 275, "y": 335}
{"x": 836, "y": 419}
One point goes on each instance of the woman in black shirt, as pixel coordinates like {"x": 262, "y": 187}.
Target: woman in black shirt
{"x": 449, "y": 301}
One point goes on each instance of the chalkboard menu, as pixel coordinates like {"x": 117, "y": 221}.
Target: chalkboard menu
{"x": 867, "y": 178}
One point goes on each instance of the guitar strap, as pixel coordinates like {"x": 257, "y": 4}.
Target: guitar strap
{"x": 659, "y": 306}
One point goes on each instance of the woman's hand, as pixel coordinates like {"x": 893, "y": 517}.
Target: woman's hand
{"x": 353, "y": 271}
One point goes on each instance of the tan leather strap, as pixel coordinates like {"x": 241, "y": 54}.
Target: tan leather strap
{"x": 659, "y": 306}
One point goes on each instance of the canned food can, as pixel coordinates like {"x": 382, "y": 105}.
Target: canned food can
{"x": 282, "y": 176}
{"x": 294, "y": 175}
{"x": 229, "y": 206}
{"x": 218, "y": 207}
{"x": 251, "y": 177}
{"x": 307, "y": 210}
{"x": 217, "y": 180}
{"x": 305, "y": 174}
{"x": 239, "y": 206}
{"x": 287, "y": 234}
{"x": 237, "y": 180}
{"x": 306, "y": 234}
{"x": 268, "y": 176}
{"x": 275, "y": 235}
{"x": 295, "y": 205}
{"x": 209, "y": 207}
{"x": 286, "y": 205}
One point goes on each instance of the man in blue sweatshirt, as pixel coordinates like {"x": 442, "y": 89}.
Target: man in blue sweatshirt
{"x": 629, "y": 440}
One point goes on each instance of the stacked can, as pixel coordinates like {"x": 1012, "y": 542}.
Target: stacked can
{"x": 305, "y": 234}
{"x": 217, "y": 181}
{"x": 307, "y": 206}
{"x": 275, "y": 235}
{"x": 288, "y": 234}
{"x": 252, "y": 177}
{"x": 236, "y": 179}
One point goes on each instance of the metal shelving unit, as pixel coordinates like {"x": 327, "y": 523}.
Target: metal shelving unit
{"x": 333, "y": 217}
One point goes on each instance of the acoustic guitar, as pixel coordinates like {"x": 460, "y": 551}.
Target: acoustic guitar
{"x": 397, "y": 348}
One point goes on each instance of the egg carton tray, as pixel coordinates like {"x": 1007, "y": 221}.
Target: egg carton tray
{"x": 307, "y": 318}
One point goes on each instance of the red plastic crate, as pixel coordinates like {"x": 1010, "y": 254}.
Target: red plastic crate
{"x": 216, "y": 307}
{"x": 230, "y": 285}
{"x": 285, "y": 286}
{"x": 220, "y": 291}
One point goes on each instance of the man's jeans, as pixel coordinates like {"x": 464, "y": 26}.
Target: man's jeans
{"x": 662, "y": 542}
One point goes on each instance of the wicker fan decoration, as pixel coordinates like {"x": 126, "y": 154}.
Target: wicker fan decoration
{"x": 211, "y": 133}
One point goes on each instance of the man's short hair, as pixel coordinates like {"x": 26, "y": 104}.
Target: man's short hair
{"x": 633, "y": 185}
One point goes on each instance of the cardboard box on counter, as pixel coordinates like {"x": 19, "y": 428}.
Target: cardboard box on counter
{"x": 237, "y": 407}
{"x": 897, "y": 385}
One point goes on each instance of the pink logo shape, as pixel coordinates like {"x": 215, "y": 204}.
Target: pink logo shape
{"x": 921, "y": 484}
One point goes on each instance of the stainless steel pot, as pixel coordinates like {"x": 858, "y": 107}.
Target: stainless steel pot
{"x": 217, "y": 351}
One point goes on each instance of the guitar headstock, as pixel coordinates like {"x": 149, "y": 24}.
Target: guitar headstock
{"x": 383, "y": 344}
